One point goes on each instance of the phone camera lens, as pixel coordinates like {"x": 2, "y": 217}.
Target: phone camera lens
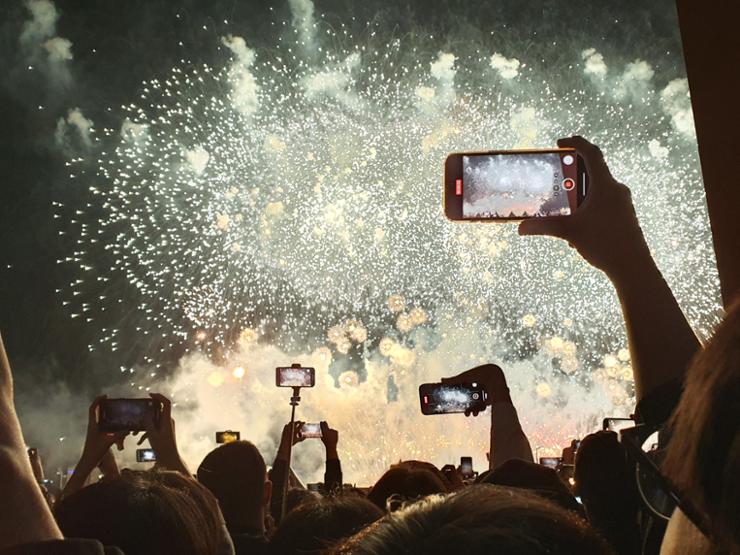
{"x": 568, "y": 160}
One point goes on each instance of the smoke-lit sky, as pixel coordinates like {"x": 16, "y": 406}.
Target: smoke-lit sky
{"x": 95, "y": 94}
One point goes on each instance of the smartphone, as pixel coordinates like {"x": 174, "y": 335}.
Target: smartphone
{"x": 310, "y": 430}
{"x": 466, "y": 467}
{"x": 551, "y": 462}
{"x": 127, "y": 415}
{"x": 439, "y": 398}
{"x": 295, "y": 376}
{"x": 227, "y": 436}
{"x": 505, "y": 185}
{"x": 146, "y": 455}
{"x": 617, "y": 424}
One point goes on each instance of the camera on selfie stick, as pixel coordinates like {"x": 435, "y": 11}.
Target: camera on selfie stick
{"x": 294, "y": 376}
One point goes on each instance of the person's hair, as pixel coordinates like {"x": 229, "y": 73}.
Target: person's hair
{"x": 517, "y": 473}
{"x": 297, "y": 497}
{"x": 235, "y": 473}
{"x": 703, "y": 457}
{"x": 316, "y": 525}
{"x": 145, "y": 513}
{"x": 407, "y": 481}
{"x": 480, "y": 519}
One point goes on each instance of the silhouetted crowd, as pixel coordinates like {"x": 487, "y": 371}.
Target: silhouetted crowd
{"x": 667, "y": 482}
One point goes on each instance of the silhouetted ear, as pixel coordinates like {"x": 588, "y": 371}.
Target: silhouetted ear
{"x": 267, "y": 494}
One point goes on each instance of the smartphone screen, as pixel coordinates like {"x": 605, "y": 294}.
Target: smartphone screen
{"x": 438, "y": 398}
{"x": 617, "y": 424}
{"x": 146, "y": 455}
{"x": 513, "y": 185}
{"x": 227, "y": 436}
{"x": 466, "y": 466}
{"x": 294, "y": 376}
{"x": 551, "y": 462}
{"x": 126, "y": 415}
{"x": 311, "y": 430}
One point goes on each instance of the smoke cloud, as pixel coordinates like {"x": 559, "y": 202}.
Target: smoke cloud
{"x": 507, "y": 68}
{"x": 676, "y": 103}
{"x": 42, "y": 47}
{"x": 74, "y": 129}
{"x": 244, "y": 87}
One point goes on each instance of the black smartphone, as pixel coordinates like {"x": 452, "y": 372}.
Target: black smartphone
{"x": 617, "y": 424}
{"x": 439, "y": 398}
{"x": 551, "y": 462}
{"x": 503, "y": 185}
{"x": 127, "y": 415}
{"x": 295, "y": 376}
{"x": 309, "y": 431}
{"x": 227, "y": 436}
{"x": 146, "y": 455}
{"x": 466, "y": 467}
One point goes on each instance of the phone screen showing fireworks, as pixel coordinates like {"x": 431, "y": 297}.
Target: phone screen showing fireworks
{"x": 551, "y": 462}
{"x": 438, "y": 398}
{"x": 146, "y": 455}
{"x": 126, "y": 415}
{"x": 466, "y": 467}
{"x": 227, "y": 436}
{"x": 513, "y": 185}
{"x": 309, "y": 430}
{"x": 617, "y": 424}
{"x": 295, "y": 376}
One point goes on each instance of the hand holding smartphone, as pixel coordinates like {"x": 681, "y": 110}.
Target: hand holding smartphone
{"x": 127, "y": 415}
{"x": 507, "y": 185}
{"x": 440, "y": 398}
{"x": 310, "y": 431}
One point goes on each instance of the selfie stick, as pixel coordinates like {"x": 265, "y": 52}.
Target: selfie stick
{"x": 294, "y": 400}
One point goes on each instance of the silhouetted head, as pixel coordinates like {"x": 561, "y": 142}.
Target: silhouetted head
{"x": 407, "y": 481}
{"x": 603, "y": 478}
{"x": 145, "y": 513}
{"x": 479, "y": 520}
{"x": 236, "y": 474}
{"x": 297, "y": 497}
{"x": 313, "y": 526}
{"x": 703, "y": 456}
{"x": 544, "y": 481}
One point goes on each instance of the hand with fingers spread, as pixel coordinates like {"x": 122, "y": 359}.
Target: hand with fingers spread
{"x": 604, "y": 229}
{"x": 160, "y": 431}
{"x": 330, "y": 438}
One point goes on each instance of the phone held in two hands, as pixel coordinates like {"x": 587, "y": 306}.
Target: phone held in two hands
{"x": 127, "y": 415}
{"x": 504, "y": 185}
{"x": 146, "y": 455}
{"x": 441, "y": 398}
{"x": 310, "y": 431}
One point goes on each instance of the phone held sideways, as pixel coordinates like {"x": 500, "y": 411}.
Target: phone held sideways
{"x": 512, "y": 185}
{"x": 439, "y": 398}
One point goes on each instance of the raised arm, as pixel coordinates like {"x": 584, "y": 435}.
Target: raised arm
{"x": 508, "y": 440}
{"x": 24, "y": 515}
{"x": 605, "y": 231}
{"x": 333, "y": 471}
{"x": 96, "y": 449}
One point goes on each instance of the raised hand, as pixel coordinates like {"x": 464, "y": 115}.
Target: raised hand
{"x": 330, "y": 438}
{"x": 604, "y": 229}
{"x": 490, "y": 376}
{"x": 160, "y": 432}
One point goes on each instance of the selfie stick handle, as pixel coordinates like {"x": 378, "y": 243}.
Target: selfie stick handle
{"x": 294, "y": 400}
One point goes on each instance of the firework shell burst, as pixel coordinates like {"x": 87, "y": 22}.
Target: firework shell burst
{"x": 288, "y": 202}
